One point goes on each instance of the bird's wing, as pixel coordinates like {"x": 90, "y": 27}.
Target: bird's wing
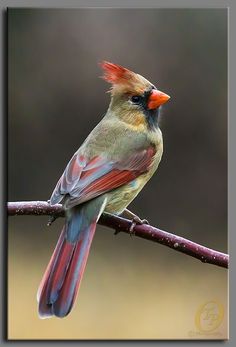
{"x": 83, "y": 180}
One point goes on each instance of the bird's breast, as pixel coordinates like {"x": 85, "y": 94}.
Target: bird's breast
{"x": 121, "y": 197}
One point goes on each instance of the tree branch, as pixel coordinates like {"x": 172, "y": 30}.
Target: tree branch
{"x": 145, "y": 231}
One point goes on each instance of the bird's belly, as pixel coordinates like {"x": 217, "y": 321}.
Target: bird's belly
{"x": 120, "y": 198}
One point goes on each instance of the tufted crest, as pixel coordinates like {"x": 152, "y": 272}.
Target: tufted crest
{"x": 122, "y": 79}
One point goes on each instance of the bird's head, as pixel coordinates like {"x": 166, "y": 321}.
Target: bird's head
{"x": 134, "y": 99}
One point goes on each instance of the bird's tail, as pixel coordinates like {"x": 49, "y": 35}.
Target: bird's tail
{"x": 59, "y": 286}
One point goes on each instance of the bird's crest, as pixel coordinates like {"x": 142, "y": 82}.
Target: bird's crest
{"x": 115, "y": 74}
{"x": 122, "y": 79}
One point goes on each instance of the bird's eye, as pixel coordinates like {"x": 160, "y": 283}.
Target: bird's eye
{"x": 135, "y": 99}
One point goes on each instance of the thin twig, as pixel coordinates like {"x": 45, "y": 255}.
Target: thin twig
{"x": 145, "y": 231}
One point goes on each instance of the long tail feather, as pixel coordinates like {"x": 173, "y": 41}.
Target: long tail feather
{"x": 61, "y": 281}
{"x": 74, "y": 274}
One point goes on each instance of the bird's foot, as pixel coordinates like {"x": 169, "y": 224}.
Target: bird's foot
{"x": 51, "y": 219}
{"x": 117, "y": 231}
{"x": 136, "y": 220}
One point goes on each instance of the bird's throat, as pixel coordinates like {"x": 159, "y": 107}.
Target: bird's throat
{"x": 152, "y": 117}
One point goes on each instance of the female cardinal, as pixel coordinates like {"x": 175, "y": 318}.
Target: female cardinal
{"x": 105, "y": 174}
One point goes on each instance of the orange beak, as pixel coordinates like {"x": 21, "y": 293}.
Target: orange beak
{"x": 157, "y": 98}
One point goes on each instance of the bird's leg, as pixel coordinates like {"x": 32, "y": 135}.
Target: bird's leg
{"x": 130, "y": 215}
{"x": 135, "y": 220}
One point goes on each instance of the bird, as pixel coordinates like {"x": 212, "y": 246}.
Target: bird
{"x": 105, "y": 174}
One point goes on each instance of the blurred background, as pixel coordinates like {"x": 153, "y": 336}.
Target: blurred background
{"x": 132, "y": 288}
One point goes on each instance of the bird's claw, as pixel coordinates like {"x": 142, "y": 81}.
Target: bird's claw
{"x": 51, "y": 219}
{"x": 136, "y": 220}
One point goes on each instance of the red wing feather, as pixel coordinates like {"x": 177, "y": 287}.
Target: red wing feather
{"x": 111, "y": 180}
{"x": 86, "y": 181}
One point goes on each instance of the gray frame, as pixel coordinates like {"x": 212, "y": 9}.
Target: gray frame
{"x": 232, "y": 127}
